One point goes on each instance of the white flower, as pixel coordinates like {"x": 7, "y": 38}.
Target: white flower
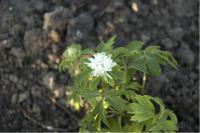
{"x": 101, "y": 64}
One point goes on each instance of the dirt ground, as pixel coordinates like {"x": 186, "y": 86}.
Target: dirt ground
{"x": 34, "y": 33}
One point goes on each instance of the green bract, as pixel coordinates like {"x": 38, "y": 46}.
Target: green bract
{"x": 117, "y": 101}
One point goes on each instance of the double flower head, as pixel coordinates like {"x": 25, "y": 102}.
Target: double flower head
{"x": 101, "y": 64}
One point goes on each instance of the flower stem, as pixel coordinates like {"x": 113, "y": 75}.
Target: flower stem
{"x": 143, "y": 83}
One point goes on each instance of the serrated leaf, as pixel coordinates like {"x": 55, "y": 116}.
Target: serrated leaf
{"x": 137, "y": 61}
{"x": 114, "y": 126}
{"x": 142, "y": 117}
{"x": 99, "y": 114}
{"x": 153, "y": 49}
{"x": 135, "y": 45}
{"x": 72, "y": 52}
{"x": 89, "y": 93}
{"x": 107, "y": 46}
{"x": 167, "y": 56}
{"x": 114, "y": 92}
{"x": 109, "y": 80}
{"x": 130, "y": 90}
{"x": 132, "y": 85}
{"x": 62, "y": 65}
{"x": 145, "y": 101}
{"x": 94, "y": 83}
{"x": 84, "y": 75}
{"x": 130, "y": 94}
{"x": 87, "y": 51}
{"x": 165, "y": 126}
{"x": 153, "y": 66}
{"x": 134, "y": 127}
{"x": 117, "y": 103}
{"x": 103, "y": 115}
{"x": 119, "y": 52}
{"x": 119, "y": 75}
{"x": 74, "y": 99}
{"x": 165, "y": 119}
{"x": 172, "y": 116}
{"x": 143, "y": 110}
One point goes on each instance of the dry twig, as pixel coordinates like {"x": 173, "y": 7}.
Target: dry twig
{"x": 53, "y": 100}
{"x": 47, "y": 127}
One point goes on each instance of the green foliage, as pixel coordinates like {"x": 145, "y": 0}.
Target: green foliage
{"x": 116, "y": 100}
{"x": 143, "y": 111}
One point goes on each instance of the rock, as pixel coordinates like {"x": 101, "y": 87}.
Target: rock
{"x": 185, "y": 127}
{"x": 49, "y": 80}
{"x": 36, "y": 109}
{"x": 193, "y": 76}
{"x": 56, "y": 20}
{"x": 171, "y": 75}
{"x": 17, "y": 31}
{"x": 23, "y": 96}
{"x": 17, "y": 52}
{"x": 160, "y": 82}
{"x": 38, "y": 5}
{"x": 7, "y": 43}
{"x": 176, "y": 33}
{"x": 162, "y": 79}
{"x": 145, "y": 37}
{"x": 14, "y": 99}
{"x": 36, "y": 91}
{"x": 185, "y": 54}
{"x": 35, "y": 41}
{"x": 181, "y": 8}
{"x": 167, "y": 43}
{"x": 55, "y": 36}
{"x": 13, "y": 78}
{"x": 79, "y": 27}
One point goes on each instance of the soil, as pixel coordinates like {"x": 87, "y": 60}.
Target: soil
{"x": 33, "y": 35}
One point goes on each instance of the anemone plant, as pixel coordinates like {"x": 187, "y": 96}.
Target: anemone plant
{"x": 105, "y": 79}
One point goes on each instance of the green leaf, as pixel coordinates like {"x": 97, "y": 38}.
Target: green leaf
{"x": 114, "y": 92}
{"x": 72, "y": 52}
{"x": 130, "y": 90}
{"x": 134, "y": 127}
{"x": 137, "y": 61}
{"x": 164, "y": 126}
{"x": 109, "y": 80}
{"x": 118, "y": 75}
{"x": 165, "y": 120}
{"x": 130, "y": 94}
{"x": 142, "y": 109}
{"x": 119, "y": 52}
{"x": 62, "y": 65}
{"x": 107, "y": 46}
{"x": 153, "y": 49}
{"x": 70, "y": 58}
{"x": 132, "y": 85}
{"x": 75, "y": 97}
{"x": 89, "y": 94}
{"x": 153, "y": 66}
{"x": 87, "y": 51}
{"x": 142, "y": 117}
{"x": 83, "y": 76}
{"x": 85, "y": 124}
{"x": 115, "y": 126}
{"x": 99, "y": 114}
{"x": 167, "y": 56}
{"x": 172, "y": 116}
{"x": 94, "y": 83}
{"x": 135, "y": 45}
{"x": 117, "y": 103}
{"x": 103, "y": 114}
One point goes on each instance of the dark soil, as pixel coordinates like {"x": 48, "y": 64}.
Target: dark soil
{"x": 34, "y": 33}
